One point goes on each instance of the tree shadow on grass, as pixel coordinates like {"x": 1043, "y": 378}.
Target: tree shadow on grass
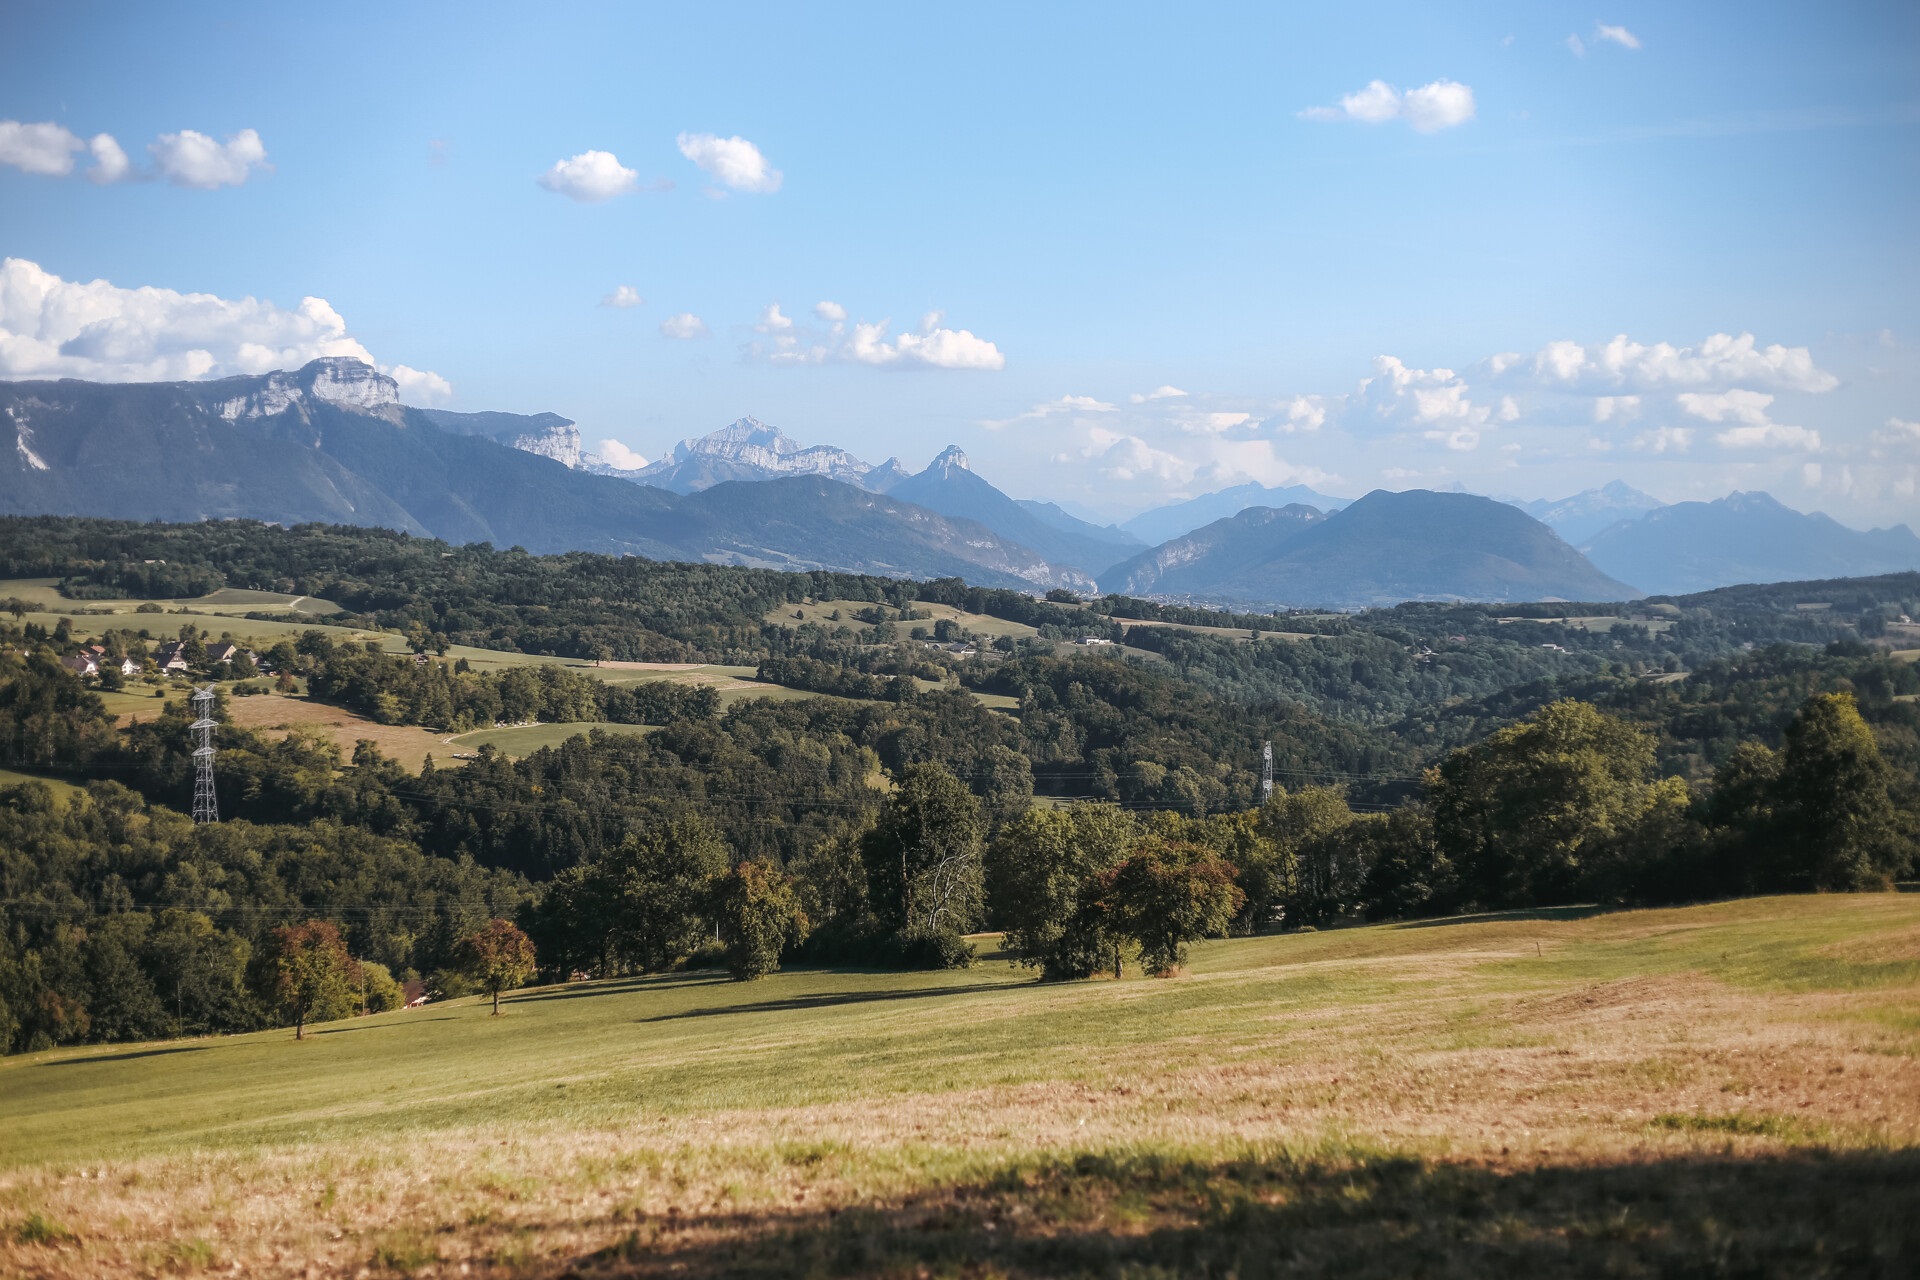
{"x": 823, "y": 1001}
{"x": 126, "y": 1057}
{"x": 1585, "y": 911}
{"x": 379, "y": 1026}
{"x": 619, "y": 986}
{"x": 1810, "y": 1213}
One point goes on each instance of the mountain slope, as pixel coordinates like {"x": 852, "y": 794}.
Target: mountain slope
{"x": 330, "y": 442}
{"x": 1218, "y": 553}
{"x": 1386, "y": 548}
{"x": 1162, "y": 523}
{"x": 1584, "y": 514}
{"x": 949, "y": 486}
{"x": 1744, "y": 537}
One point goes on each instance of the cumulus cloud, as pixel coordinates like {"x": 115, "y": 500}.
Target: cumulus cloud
{"x": 932, "y": 346}
{"x": 623, "y": 297}
{"x": 620, "y": 457}
{"x": 192, "y": 159}
{"x": 590, "y": 177}
{"x": 419, "y": 386}
{"x": 1747, "y": 411}
{"x": 1303, "y": 413}
{"x": 1436, "y": 402}
{"x": 45, "y": 148}
{"x": 1721, "y": 362}
{"x": 1607, "y": 408}
{"x": 110, "y": 163}
{"x": 1618, "y": 35}
{"x": 1427, "y": 109}
{"x": 684, "y": 325}
{"x": 186, "y": 159}
{"x": 56, "y": 328}
{"x": 1898, "y": 434}
{"x": 1158, "y": 393}
{"x": 734, "y": 163}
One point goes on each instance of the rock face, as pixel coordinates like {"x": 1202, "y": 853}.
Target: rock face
{"x": 748, "y": 449}
{"x": 337, "y": 380}
{"x": 546, "y": 435}
{"x": 1745, "y": 537}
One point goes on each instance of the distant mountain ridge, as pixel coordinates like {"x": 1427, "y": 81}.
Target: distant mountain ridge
{"x": 749, "y": 449}
{"x": 1382, "y": 549}
{"x": 1162, "y": 523}
{"x": 331, "y": 442}
{"x": 1579, "y": 517}
{"x": 949, "y": 486}
{"x": 1741, "y": 538}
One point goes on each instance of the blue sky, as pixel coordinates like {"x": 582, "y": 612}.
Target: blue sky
{"x": 1057, "y": 210}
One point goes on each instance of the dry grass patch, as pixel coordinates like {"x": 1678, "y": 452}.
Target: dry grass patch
{"x": 271, "y": 712}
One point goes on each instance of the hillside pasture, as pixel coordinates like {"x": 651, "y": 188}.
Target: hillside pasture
{"x": 44, "y": 594}
{"x": 822, "y": 611}
{"x": 274, "y": 714}
{"x": 525, "y": 739}
{"x": 1723, "y": 1089}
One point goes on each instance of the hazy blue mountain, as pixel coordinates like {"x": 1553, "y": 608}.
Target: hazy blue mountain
{"x": 1221, "y": 552}
{"x": 1162, "y": 523}
{"x": 1584, "y": 514}
{"x": 949, "y": 486}
{"x": 1052, "y": 513}
{"x": 1744, "y": 537}
{"x": 331, "y": 442}
{"x": 1383, "y": 549}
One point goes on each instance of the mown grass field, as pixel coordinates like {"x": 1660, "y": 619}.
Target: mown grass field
{"x": 1728, "y": 1089}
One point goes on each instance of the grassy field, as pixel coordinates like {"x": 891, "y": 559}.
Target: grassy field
{"x": 410, "y": 745}
{"x": 44, "y": 594}
{"x": 525, "y": 739}
{"x": 1730, "y": 1090}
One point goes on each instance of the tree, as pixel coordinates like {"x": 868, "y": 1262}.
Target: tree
{"x": 1517, "y": 814}
{"x": 656, "y": 885}
{"x": 1835, "y": 818}
{"x": 311, "y": 970}
{"x": 1306, "y": 874}
{"x": 1046, "y": 869}
{"x": 497, "y": 957}
{"x": 923, "y": 862}
{"x": 1166, "y": 895}
{"x": 759, "y": 916}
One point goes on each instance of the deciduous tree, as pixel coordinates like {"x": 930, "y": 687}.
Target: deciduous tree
{"x": 497, "y": 957}
{"x": 759, "y": 916}
{"x": 311, "y": 969}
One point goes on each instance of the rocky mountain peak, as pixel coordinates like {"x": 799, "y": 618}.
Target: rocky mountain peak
{"x": 341, "y": 380}
{"x": 951, "y": 459}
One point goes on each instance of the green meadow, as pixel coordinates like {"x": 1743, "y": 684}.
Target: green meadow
{"x": 1506, "y": 1093}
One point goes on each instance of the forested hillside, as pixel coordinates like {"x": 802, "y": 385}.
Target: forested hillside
{"x": 944, "y": 758}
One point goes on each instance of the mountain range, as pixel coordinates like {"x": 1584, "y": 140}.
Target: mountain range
{"x": 332, "y": 442}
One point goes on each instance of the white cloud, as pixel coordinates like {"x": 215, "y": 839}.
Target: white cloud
{"x": 832, "y": 312}
{"x": 1427, "y": 109}
{"x": 1722, "y": 361}
{"x": 55, "y": 328}
{"x": 1618, "y": 35}
{"x": 1607, "y": 408}
{"x": 1305, "y": 413}
{"x": 1158, "y": 393}
{"x": 186, "y": 159}
{"x": 734, "y": 162}
{"x": 1665, "y": 440}
{"x": 192, "y": 159}
{"x": 932, "y": 348}
{"x": 45, "y": 148}
{"x": 623, "y": 297}
{"x": 1437, "y": 400}
{"x": 1577, "y": 46}
{"x": 1738, "y": 405}
{"x": 1898, "y": 434}
{"x": 590, "y": 177}
{"x": 1768, "y": 435}
{"x": 419, "y": 386}
{"x": 110, "y": 163}
{"x": 1065, "y": 405}
{"x": 684, "y": 325}
{"x": 620, "y": 457}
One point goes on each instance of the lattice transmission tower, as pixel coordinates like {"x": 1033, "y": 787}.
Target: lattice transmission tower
{"x": 1266, "y": 772}
{"x": 206, "y": 807}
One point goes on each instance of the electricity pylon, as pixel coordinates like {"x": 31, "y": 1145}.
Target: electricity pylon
{"x": 206, "y": 807}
